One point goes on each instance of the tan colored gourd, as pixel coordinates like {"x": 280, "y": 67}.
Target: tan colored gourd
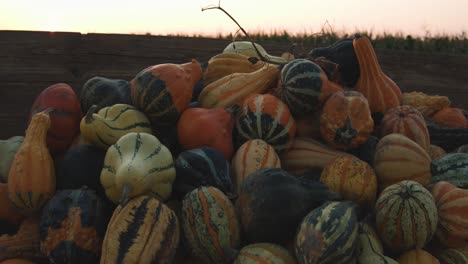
{"x": 31, "y": 180}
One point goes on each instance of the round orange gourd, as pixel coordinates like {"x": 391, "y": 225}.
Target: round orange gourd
{"x": 31, "y": 181}
{"x": 450, "y": 117}
{"x": 65, "y": 118}
{"x": 417, "y": 256}
{"x": 408, "y": 121}
{"x": 346, "y": 120}
{"x": 381, "y": 91}
{"x": 352, "y": 178}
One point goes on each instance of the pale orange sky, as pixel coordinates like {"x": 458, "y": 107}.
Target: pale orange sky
{"x": 185, "y": 16}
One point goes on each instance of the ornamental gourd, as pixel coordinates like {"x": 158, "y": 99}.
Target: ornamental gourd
{"x": 8, "y": 212}
{"x": 31, "y": 180}
{"x": 247, "y": 48}
{"x": 369, "y": 249}
{"x": 105, "y": 127}
{"x": 25, "y": 243}
{"x": 417, "y": 256}
{"x": 450, "y": 117}
{"x": 424, "y": 103}
{"x": 104, "y": 92}
{"x": 452, "y": 168}
{"x": 162, "y": 92}
{"x": 138, "y": 164}
{"x": 381, "y": 91}
{"x": 8, "y": 149}
{"x": 264, "y": 253}
{"x": 346, "y": 120}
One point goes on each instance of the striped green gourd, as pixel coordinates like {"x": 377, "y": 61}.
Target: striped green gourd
{"x": 406, "y": 216}
{"x": 452, "y": 167}
{"x": 452, "y": 256}
{"x": 328, "y": 234}
{"x": 144, "y": 230}
{"x": 210, "y": 224}
{"x": 264, "y": 116}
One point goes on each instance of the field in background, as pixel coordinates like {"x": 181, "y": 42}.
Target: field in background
{"x": 31, "y": 61}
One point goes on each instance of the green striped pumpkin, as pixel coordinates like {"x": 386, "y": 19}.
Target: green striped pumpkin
{"x": 452, "y": 256}
{"x": 210, "y": 224}
{"x": 138, "y": 164}
{"x": 143, "y": 231}
{"x": 304, "y": 86}
{"x": 264, "y": 116}
{"x": 406, "y": 216}
{"x": 328, "y": 234}
{"x": 262, "y": 253}
{"x": 452, "y": 167}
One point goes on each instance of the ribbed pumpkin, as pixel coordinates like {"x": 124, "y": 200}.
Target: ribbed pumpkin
{"x": 436, "y": 152}
{"x": 105, "y": 127}
{"x": 450, "y": 117}
{"x": 72, "y": 227}
{"x": 406, "y": 216}
{"x": 104, "y": 92}
{"x": 304, "y": 86}
{"x": 263, "y": 253}
{"x": 452, "y": 205}
{"x": 31, "y": 181}
{"x": 381, "y": 91}
{"x": 328, "y": 234}
{"x": 308, "y": 154}
{"x": 408, "y": 121}
{"x": 24, "y": 243}
{"x": 8, "y": 149}
{"x": 417, "y": 256}
{"x": 204, "y": 166}
{"x": 271, "y": 203}
{"x": 143, "y": 231}
{"x": 7, "y": 211}
{"x": 253, "y": 155}
{"x": 210, "y": 224}
{"x": 346, "y": 120}
{"x": 264, "y": 116}
{"x": 138, "y": 164}
{"x": 65, "y": 117}
{"x": 452, "y": 167}
{"x": 398, "y": 158}
{"x": 164, "y": 91}
{"x": 352, "y": 178}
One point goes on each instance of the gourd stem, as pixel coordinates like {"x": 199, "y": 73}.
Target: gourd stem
{"x": 89, "y": 114}
{"x": 123, "y": 198}
{"x": 345, "y": 134}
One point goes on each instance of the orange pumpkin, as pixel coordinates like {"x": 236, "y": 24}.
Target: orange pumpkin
{"x": 450, "y": 117}
{"x": 65, "y": 118}
{"x": 352, "y": 178}
{"x": 408, "y": 121}
{"x": 346, "y": 120}
{"x": 381, "y": 92}
{"x": 7, "y": 211}
{"x": 31, "y": 181}
{"x": 417, "y": 256}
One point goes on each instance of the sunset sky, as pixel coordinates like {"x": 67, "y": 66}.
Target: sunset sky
{"x": 185, "y": 16}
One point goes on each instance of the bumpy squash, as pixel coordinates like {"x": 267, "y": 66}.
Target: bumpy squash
{"x": 264, "y": 253}
{"x": 264, "y": 116}
{"x": 251, "y": 156}
{"x": 304, "y": 86}
{"x": 137, "y": 164}
{"x": 369, "y": 249}
{"x": 406, "y": 216}
{"x": 164, "y": 91}
{"x": 72, "y": 227}
{"x": 8, "y": 149}
{"x": 424, "y": 103}
{"x": 328, "y": 234}
{"x": 346, "y": 120}
{"x": 210, "y": 224}
{"x": 234, "y": 88}
{"x": 381, "y": 92}
{"x": 352, "y": 178}
{"x": 31, "y": 181}
{"x": 104, "y": 92}
{"x": 227, "y": 63}
{"x": 408, "y": 121}
{"x": 398, "y": 158}
{"x": 417, "y": 256}
{"x": 112, "y": 122}
{"x": 143, "y": 231}
{"x": 24, "y": 244}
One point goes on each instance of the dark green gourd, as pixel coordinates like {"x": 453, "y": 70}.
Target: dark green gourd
{"x": 452, "y": 167}
{"x": 272, "y": 202}
{"x": 104, "y": 92}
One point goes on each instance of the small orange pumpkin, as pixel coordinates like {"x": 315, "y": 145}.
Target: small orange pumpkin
{"x": 417, "y": 256}
{"x": 346, "y": 120}
{"x": 450, "y": 117}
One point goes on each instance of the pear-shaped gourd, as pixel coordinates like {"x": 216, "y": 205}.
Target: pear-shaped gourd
{"x": 8, "y": 148}
{"x": 247, "y": 48}
{"x": 110, "y": 123}
{"x": 138, "y": 164}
